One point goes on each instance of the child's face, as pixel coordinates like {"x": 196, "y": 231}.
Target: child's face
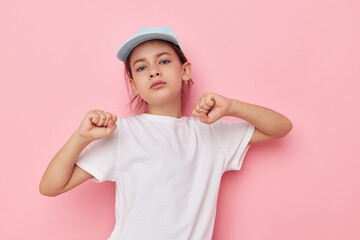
{"x": 153, "y": 61}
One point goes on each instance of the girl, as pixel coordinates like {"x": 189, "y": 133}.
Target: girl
{"x": 167, "y": 167}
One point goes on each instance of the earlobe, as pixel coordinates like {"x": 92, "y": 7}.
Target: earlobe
{"x": 186, "y": 71}
{"x": 133, "y": 86}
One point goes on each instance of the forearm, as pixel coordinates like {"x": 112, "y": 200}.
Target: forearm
{"x": 61, "y": 166}
{"x": 265, "y": 120}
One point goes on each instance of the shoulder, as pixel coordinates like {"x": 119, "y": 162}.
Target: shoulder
{"x": 230, "y": 127}
{"x": 127, "y": 120}
{"x": 204, "y": 127}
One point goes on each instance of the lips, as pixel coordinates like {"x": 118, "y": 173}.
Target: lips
{"x": 156, "y": 83}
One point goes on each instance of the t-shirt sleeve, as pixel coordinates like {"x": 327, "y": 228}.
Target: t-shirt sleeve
{"x": 234, "y": 137}
{"x": 99, "y": 158}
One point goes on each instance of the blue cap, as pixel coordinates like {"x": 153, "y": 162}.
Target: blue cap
{"x": 145, "y": 34}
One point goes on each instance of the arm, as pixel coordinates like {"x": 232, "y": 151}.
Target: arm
{"x": 62, "y": 174}
{"x": 268, "y": 123}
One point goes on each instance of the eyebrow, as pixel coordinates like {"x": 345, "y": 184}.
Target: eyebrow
{"x": 157, "y": 55}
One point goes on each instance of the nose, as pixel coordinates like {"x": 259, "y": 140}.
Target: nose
{"x": 154, "y": 72}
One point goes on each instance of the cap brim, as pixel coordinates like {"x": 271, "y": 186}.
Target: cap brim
{"x": 129, "y": 45}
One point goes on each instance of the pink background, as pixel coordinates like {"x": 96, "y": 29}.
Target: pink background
{"x": 300, "y": 58}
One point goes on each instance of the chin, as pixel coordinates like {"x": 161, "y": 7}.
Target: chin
{"x": 161, "y": 98}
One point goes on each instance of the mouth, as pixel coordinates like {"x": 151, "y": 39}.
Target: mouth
{"x": 157, "y": 84}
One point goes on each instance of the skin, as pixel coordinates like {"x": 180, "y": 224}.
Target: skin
{"x": 63, "y": 174}
{"x": 168, "y": 68}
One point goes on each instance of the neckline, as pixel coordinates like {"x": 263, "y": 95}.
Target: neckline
{"x": 161, "y": 117}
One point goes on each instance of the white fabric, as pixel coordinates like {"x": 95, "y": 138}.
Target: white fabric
{"x": 167, "y": 172}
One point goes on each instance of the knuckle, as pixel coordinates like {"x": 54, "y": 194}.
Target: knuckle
{"x": 100, "y": 112}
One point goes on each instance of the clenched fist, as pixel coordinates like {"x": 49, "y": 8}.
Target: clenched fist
{"x": 97, "y": 124}
{"x": 211, "y": 107}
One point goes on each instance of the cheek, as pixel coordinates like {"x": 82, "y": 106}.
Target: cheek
{"x": 141, "y": 87}
{"x": 178, "y": 74}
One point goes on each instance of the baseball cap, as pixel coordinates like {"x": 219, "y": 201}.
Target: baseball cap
{"x": 145, "y": 34}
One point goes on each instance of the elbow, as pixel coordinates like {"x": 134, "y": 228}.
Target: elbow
{"x": 46, "y": 191}
{"x": 286, "y": 128}
{"x": 282, "y": 130}
{"x": 289, "y": 127}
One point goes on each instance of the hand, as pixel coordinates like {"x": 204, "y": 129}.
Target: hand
{"x": 97, "y": 124}
{"x": 211, "y": 107}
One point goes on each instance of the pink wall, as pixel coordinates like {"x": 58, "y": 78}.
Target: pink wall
{"x": 300, "y": 58}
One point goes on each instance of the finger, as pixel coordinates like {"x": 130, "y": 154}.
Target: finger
{"x": 94, "y": 117}
{"x": 108, "y": 117}
{"x": 195, "y": 113}
{"x": 214, "y": 115}
{"x": 206, "y": 103}
{"x": 198, "y": 109}
{"x": 102, "y": 118}
{"x": 110, "y": 128}
{"x": 114, "y": 118}
{"x": 202, "y": 116}
{"x": 110, "y": 123}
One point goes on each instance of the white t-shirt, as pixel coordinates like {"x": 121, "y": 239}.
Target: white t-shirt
{"x": 167, "y": 172}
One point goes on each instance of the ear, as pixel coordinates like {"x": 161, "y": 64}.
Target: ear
{"x": 186, "y": 71}
{"x": 133, "y": 86}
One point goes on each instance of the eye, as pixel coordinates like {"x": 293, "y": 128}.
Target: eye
{"x": 140, "y": 69}
{"x": 166, "y": 61}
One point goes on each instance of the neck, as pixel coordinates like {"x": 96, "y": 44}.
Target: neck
{"x": 171, "y": 109}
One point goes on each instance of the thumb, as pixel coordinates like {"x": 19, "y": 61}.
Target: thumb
{"x": 110, "y": 128}
{"x": 214, "y": 115}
